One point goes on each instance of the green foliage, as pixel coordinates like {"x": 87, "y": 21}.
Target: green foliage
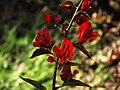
{"x": 40, "y": 51}
{"x": 74, "y": 82}
{"x": 37, "y": 84}
{"x": 16, "y": 49}
{"x": 15, "y": 60}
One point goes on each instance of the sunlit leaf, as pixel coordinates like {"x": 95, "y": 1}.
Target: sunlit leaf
{"x": 34, "y": 83}
{"x": 68, "y": 5}
{"x": 73, "y": 82}
{"x": 40, "y": 51}
{"x": 83, "y": 49}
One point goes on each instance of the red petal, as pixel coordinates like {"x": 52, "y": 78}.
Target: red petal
{"x": 65, "y": 51}
{"x": 85, "y": 32}
{"x": 47, "y": 37}
{"x": 42, "y": 39}
{"x": 75, "y": 72}
{"x": 67, "y": 48}
{"x": 57, "y": 51}
{"x": 57, "y": 19}
{"x": 63, "y": 60}
{"x": 93, "y": 36}
{"x": 35, "y": 44}
{"x": 51, "y": 59}
{"x": 47, "y": 17}
{"x": 86, "y": 5}
{"x": 66, "y": 73}
{"x": 81, "y": 18}
{"x": 50, "y": 19}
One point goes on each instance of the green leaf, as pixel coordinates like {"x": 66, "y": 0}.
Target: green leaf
{"x": 73, "y": 82}
{"x": 34, "y": 83}
{"x": 83, "y": 49}
{"x": 72, "y": 64}
{"x": 40, "y": 51}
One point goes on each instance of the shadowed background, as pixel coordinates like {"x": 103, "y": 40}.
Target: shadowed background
{"x": 21, "y": 19}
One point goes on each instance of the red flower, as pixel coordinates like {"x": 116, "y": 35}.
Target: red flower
{"x": 51, "y": 59}
{"x": 85, "y": 32}
{"x": 65, "y": 51}
{"x": 42, "y": 39}
{"x": 66, "y": 73}
{"x": 50, "y": 19}
{"x": 80, "y": 18}
{"x": 85, "y": 5}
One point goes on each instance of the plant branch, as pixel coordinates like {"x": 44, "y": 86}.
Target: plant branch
{"x": 66, "y": 33}
{"x": 59, "y": 26}
{"x": 54, "y": 76}
{"x": 71, "y": 22}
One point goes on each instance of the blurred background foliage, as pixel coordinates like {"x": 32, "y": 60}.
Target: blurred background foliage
{"x": 21, "y": 19}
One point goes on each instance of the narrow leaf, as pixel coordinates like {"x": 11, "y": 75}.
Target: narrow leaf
{"x": 40, "y": 51}
{"x": 84, "y": 13}
{"x": 73, "y": 82}
{"x": 72, "y": 64}
{"x": 34, "y": 83}
{"x": 83, "y": 49}
{"x": 68, "y": 5}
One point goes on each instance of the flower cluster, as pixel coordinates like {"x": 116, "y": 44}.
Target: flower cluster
{"x": 86, "y": 5}
{"x": 66, "y": 73}
{"x": 42, "y": 39}
{"x": 51, "y": 19}
{"x": 63, "y": 55}
{"x": 85, "y": 32}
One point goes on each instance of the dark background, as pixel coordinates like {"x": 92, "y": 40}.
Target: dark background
{"x": 21, "y": 19}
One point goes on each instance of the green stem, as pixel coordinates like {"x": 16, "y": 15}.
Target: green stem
{"x": 67, "y": 30}
{"x": 54, "y": 75}
{"x": 59, "y": 26}
{"x": 71, "y": 22}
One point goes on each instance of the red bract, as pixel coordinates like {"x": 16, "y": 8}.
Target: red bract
{"x": 85, "y": 5}
{"x": 80, "y": 18}
{"x": 85, "y": 32}
{"x": 42, "y": 39}
{"x": 50, "y": 19}
{"x": 75, "y": 72}
{"x": 66, "y": 73}
{"x": 51, "y": 59}
{"x": 65, "y": 51}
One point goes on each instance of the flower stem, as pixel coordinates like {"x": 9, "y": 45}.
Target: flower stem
{"x": 71, "y": 22}
{"x": 54, "y": 75}
{"x": 67, "y": 30}
{"x": 59, "y": 26}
